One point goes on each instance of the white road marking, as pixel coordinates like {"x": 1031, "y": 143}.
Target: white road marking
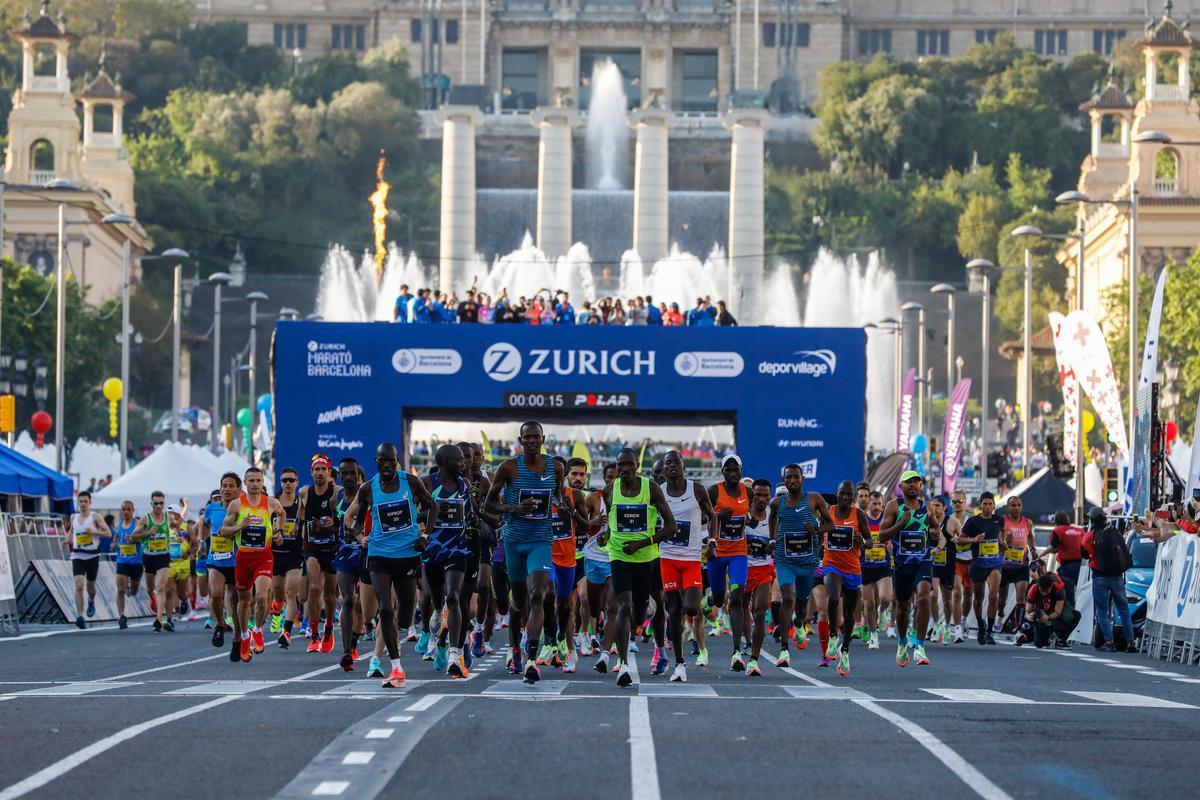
{"x": 71, "y": 689}
{"x": 45, "y": 634}
{"x": 976, "y": 696}
{"x": 825, "y": 693}
{"x": 400, "y": 718}
{"x": 1129, "y": 699}
{"x": 1188, "y": 680}
{"x": 643, "y": 764}
{"x": 521, "y": 689}
{"x": 633, "y": 668}
{"x": 380, "y": 733}
{"x": 222, "y": 654}
{"x": 676, "y": 690}
{"x": 424, "y": 703}
{"x": 70, "y": 762}
{"x": 1154, "y": 673}
{"x": 224, "y": 687}
{"x": 1138, "y": 667}
{"x": 358, "y": 757}
{"x": 330, "y": 788}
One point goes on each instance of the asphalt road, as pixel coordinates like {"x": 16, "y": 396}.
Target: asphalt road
{"x": 107, "y": 713}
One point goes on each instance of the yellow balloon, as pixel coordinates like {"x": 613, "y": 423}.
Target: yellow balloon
{"x": 1089, "y": 421}
{"x": 112, "y": 389}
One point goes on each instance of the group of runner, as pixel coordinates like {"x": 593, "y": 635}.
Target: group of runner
{"x": 571, "y": 571}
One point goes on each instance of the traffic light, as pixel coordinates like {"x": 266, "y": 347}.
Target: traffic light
{"x": 8, "y": 413}
{"x": 1111, "y": 484}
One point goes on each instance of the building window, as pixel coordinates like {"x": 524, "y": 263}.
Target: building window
{"x": 45, "y": 60}
{"x": 985, "y": 36}
{"x": 794, "y": 34}
{"x": 102, "y": 118}
{"x": 1104, "y": 41}
{"x": 933, "y": 43}
{"x": 1166, "y": 173}
{"x": 291, "y": 35}
{"x": 348, "y": 37}
{"x": 699, "y": 81}
{"x": 414, "y": 31}
{"x": 1050, "y": 43}
{"x": 41, "y": 156}
{"x": 451, "y": 31}
{"x": 874, "y": 41}
{"x": 519, "y": 78}
{"x": 768, "y": 34}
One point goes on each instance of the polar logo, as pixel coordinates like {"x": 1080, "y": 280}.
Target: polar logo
{"x": 813, "y": 364}
{"x": 502, "y": 362}
{"x": 426, "y": 361}
{"x": 699, "y": 364}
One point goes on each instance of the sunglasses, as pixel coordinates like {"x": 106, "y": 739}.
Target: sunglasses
{"x": 157, "y": 503}
{"x": 287, "y": 480}
{"x": 958, "y": 502}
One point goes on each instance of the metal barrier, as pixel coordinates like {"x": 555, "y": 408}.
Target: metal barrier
{"x": 1171, "y": 643}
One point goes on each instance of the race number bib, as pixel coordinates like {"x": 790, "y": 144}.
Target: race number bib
{"x": 798, "y": 545}
{"x": 939, "y": 558}
{"x": 989, "y": 549}
{"x": 1014, "y": 555}
{"x": 540, "y": 500}
{"x": 176, "y": 550}
{"x": 631, "y": 518}
{"x": 876, "y": 554}
{"x": 913, "y": 543}
{"x": 395, "y": 516}
{"x": 758, "y": 546}
{"x": 83, "y": 539}
{"x": 560, "y": 526}
{"x": 683, "y": 533}
{"x": 841, "y": 538}
{"x": 453, "y": 514}
{"x": 289, "y": 530}
{"x": 254, "y": 535}
{"x": 128, "y": 550}
{"x": 733, "y": 529}
{"x": 158, "y": 546}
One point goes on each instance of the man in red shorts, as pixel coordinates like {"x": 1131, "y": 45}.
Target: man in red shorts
{"x": 256, "y": 519}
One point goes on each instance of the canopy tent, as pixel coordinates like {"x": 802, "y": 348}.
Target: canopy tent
{"x": 230, "y": 461}
{"x": 1041, "y": 495}
{"x": 21, "y": 475}
{"x": 178, "y": 470}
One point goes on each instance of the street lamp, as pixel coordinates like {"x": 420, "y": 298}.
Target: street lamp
{"x": 217, "y": 279}
{"x": 41, "y": 390}
{"x": 1027, "y": 395}
{"x": 948, "y": 290}
{"x": 1080, "y": 199}
{"x": 123, "y": 219}
{"x": 175, "y": 256}
{"x": 980, "y": 282}
{"x": 60, "y": 337}
{"x": 252, "y": 367}
{"x": 920, "y": 309}
{"x": 288, "y": 313}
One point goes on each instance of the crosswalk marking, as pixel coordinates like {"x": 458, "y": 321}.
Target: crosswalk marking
{"x": 380, "y": 733}
{"x": 676, "y": 690}
{"x": 224, "y": 687}
{"x": 358, "y": 757}
{"x": 1130, "y": 699}
{"x": 373, "y": 688}
{"x": 72, "y": 689}
{"x": 1154, "y": 673}
{"x": 825, "y": 693}
{"x": 976, "y": 696}
{"x": 330, "y": 788}
{"x": 512, "y": 687}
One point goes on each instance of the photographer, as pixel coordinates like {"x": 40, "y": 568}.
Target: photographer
{"x": 1109, "y": 558}
{"x": 1047, "y": 613}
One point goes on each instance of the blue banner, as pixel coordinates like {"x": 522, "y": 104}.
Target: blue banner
{"x": 794, "y": 395}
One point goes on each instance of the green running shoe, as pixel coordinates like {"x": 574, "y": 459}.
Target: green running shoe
{"x": 861, "y": 632}
{"x": 843, "y": 667}
{"x": 902, "y": 653}
{"x": 276, "y": 623}
{"x": 702, "y": 659}
{"x": 563, "y": 650}
{"x": 752, "y": 669}
{"x": 736, "y": 663}
{"x": 543, "y": 656}
{"x": 919, "y": 655}
{"x": 834, "y": 646}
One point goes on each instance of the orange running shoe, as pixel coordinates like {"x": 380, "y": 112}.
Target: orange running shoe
{"x": 314, "y": 646}
{"x": 395, "y": 680}
{"x": 327, "y": 641}
{"x": 246, "y": 654}
{"x": 256, "y": 639}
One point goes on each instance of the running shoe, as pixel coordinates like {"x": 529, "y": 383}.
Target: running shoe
{"x": 695, "y": 647}
{"x": 532, "y": 673}
{"x": 422, "y": 643}
{"x": 314, "y": 646}
{"x": 702, "y": 658}
{"x": 245, "y": 650}
{"x": 571, "y": 663}
{"x": 959, "y": 634}
{"x": 658, "y": 663}
{"x": 276, "y": 623}
{"x": 736, "y": 663}
{"x": 860, "y": 632}
{"x": 91, "y": 607}
{"x": 601, "y": 664}
{"x": 218, "y": 638}
{"x": 157, "y": 624}
{"x": 902, "y": 653}
{"x": 468, "y": 659}
{"x": 824, "y": 662}
{"x": 347, "y": 662}
{"x": 122, "y": 622}
{"x": 919, "y": 655}
{"x": 208, "y": 623}
{"x": 285, "y": 640}
{"x": 982, "y": 635}
{"x": 843, "y": 664}
{"x": 235, "y": 652}
{"x": 835, "y": 645}
{"x": 752, "y": 669}
{"x": 477, "y": 644}
{"x": 256, "y": 639}
{"x": 456, "y": 669}
{"x": 395, "y": 680}
{"x": 1062, "y": 644}
{"x": 633, "y": 648}
{"x": 624, "y": 676}
{"x": 191, "y": 615}
{"x": 412, "y": 634}
{"x": 800, "y": 637}
{"x": 435, "y": 624}
{"x": 595, "y": 644}
{"x": 375, "y": 669}
{"x": 990, "y": 639}
{"x": 544, "y": 655}
{"x": 891, "y": 631}
{"x": 440, "y": 659}
{"x": 563, "y": 651}
{"x": 431, "y": 651}
{"x": 516, "y": 662}
{"x": 873, "y": 641}
{"x": 327, "y": 641}
{"x": 488, "y": 649}
{"x": 784, "y": 660}
{"x": 169, "y": 625}
{"x": 912, "y": 638}
{"x": 680, "y": 673}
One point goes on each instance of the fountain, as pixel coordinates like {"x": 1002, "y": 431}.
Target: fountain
{"x": 606, "y": 135}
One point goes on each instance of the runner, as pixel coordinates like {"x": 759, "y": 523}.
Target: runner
{"x": 154, "y": 532}
{"x": 481, "y": 537}
{"x": 944, "y": 570}
{"x": 679, "y": 561}
{"x": 963, "y": 554}
{"x": 348, "y": 562}
{"x": 761, "y": 569}
{"x": 179, "y": 547}
{"x": 842, "y": 571}
{"x": 634, "y": 503}
{"x": 524, "y": 489}
{"x": 129, "y": 561}
{"x": 394, "y": 543}
{"x": 202, "y": 543}
{"x": 222, "y": 552}
{"x": 1018, "y": 541}
{"x": 567, "y": 519}
{"x": 984, "y": 531}
{"x": 450, "y": 565}
{"x": 906, "y": 524}
{"x": 727, "y": 566}
{"x": 598, "y": 569}
{"x": 287, "y": 560}
{"x": 876, "y": 571}
{"x": 794, "y": 527}
{"x": 83, "y": 540}
{"x": 254, "y": 520}
{"x": 318, "y": 504}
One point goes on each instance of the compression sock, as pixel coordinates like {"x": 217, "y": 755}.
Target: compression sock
{"x": 823, "y": 634}
{"x": 287, "y": 626}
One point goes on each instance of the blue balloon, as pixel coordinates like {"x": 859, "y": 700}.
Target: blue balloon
{"x": 920, "y": 443}
{"x": 264, "y": 403}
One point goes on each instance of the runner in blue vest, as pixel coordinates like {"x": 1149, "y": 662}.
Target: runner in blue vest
{"x": 129, "y": 561}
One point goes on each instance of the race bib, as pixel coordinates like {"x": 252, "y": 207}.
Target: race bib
{"x": 913, "y": 543}
{"x": 254, "y": 535}
{"x": 798, "y": 545}
{"x": 758, "y": 546}
{"x": 876, "y": 555}
{"x": 157, "y": 546}
{"x": 541, "y": 503}
{"x": 394, "y": 516}
{"x": 989, "y": 548}
{"x": 289, "y": 530}
{"x": 631, "y": 517}
{"x": 176, "y": 550}
{"x": 453, "y": 514}
{"x": 841, "y": 538}
{"x": 83, "y": 539}
{"x": 128, "y": 550}
{"x": 683, "y": 533}
{"x": 560, "y": 526}
{"x": 1014, "y": 555}
{"x": 940, "y": 558}
{"x": 221, "y": 545}
{"x": 733, "y": 529}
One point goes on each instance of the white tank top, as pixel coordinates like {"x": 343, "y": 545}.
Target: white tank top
{"x": 690, "y": 530}
{"x": 758, "y": 539}
{"x": 87, "y": 542}
{"x": 592, "y": 551}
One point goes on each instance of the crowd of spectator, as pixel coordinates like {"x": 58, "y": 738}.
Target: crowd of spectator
{"x": 431, "y": 306}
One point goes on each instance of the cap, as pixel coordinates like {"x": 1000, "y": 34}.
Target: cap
{"x": 174, "y": 509}
{"x": 734, "y": 457}
{"x": 322, "y": 459}
{"x": 908, "y": 475}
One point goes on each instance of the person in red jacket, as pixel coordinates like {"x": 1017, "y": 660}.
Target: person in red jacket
{"x": 1048, "y": 613}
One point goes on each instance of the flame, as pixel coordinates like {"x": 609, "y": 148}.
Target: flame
{"x": 379, "y": 215}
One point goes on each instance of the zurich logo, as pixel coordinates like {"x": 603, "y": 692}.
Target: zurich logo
{"x": 502, "y": 362}
{"x": 1189, "y": 575}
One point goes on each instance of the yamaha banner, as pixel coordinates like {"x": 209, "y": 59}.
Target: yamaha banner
{"x": 794, "y": 395}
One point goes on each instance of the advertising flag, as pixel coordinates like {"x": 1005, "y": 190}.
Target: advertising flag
{"x": 904, "y": 418}
{"x": 952, "y": 434}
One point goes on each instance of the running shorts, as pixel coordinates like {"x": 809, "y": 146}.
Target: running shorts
{"x": 850, "y": 580}
{"x": 201, "y": 566}
{"x": 523, "y": 558}
{"x": 564, "y": 581}
{"x": 596, "y": 571}
{"x": 131, "y": 571}
{"x": 1014, "y": 575}
{"x": 906, "y": 577}
{"x": 251, "y": 565}
{"x": 286, "y": 562}
{"x": 180, "y": 570}
{"x": 759, "y": 576}
{"x": 962, "y": 569}
{"x": 944, "y": 573}
{"x": 637, "y": 577}
{"x": 981, "y": 574}
{"x": 789, "y": 574}
{"x": 872, "y": 575}
{"x": 87, "y": 567}
{"x": 226, "y": 572}
{"x": 397, "y": 569}
{"x": 727, "y": 570}
{"x": 679, "y": 576}
{"x": 154, "y": 563}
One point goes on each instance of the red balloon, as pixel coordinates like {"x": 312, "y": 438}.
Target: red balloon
{"x": 41, "y": 423}
{"x": 1172, "y": 431}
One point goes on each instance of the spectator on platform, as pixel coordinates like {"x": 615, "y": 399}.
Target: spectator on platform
{"x": 421, "y": 308}
{"x": 618, "y": 313}
{"x": 698, "y": 316}
{"x": 400, "y": 311}
{"x": 724, "y": 318}
{"x": 585, "y": 315}
{"x": 672, "y": 317}
{"x": 468, "y": 310}
{"x": 654, "y": 313}
{"x": 638, "y": 315}
{"x": 564, "y": 312}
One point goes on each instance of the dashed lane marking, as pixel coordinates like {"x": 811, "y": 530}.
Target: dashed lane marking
{"x": 976, "y": 696}
{"x": 1130, "y": 699}
{"x": 73, "y": 689}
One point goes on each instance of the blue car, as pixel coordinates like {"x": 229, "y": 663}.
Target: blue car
{"x": 1139, "y": 577}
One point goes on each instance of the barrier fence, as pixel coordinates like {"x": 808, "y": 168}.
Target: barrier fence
{"x": 1172, "y": 631}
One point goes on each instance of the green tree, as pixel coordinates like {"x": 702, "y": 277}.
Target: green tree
{"x": 979, "y": 226}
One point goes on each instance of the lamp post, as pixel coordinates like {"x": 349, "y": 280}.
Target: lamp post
{"x": 217, "y": 279}
{"x": 978, "y": 271}
{"x": 920, "y": 309}
{"x": 288, "y": 313}
{"x": 122, "y": 219}
{"x": 948, "y": 290}
{"x": 175, "y": 256}
{"x": 60, "y": 327}
{"x": 1081, "y": 200}
{"x": 1027, "y": 394}
{"x": 252, "y": 370}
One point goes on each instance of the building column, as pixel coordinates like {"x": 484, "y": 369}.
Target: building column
{"x": 457, "y": 236}
{"x": 554, "y": 232}
{"x": 748, "y": 127}
{"x": 651, "y": 234}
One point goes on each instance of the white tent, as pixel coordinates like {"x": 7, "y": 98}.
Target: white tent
{"x": 178, "y": 470}
{"x": 230, "y": 461}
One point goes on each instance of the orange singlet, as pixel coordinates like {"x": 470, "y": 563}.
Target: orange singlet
{"x": 840, "y": 550}
{"x": 731, "y": 538}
